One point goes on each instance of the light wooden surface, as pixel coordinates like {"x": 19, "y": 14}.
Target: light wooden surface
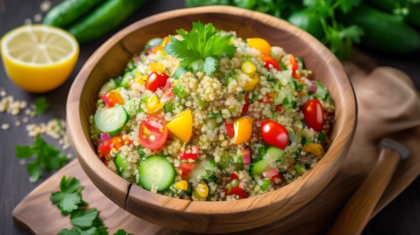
{"x": 36, "y": 213}
{"x": 210, "y": 217}
{"x": 356, "y": 214}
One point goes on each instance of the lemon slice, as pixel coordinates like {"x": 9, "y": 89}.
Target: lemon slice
{"x": 39, "y": 58}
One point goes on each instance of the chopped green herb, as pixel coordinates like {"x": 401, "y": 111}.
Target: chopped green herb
{"x": 214, "y": 115}
{"x": 70, "y": 196}
{"x": 41, "y": 105}
{"x": 321, "y": 136}
{"x": 122, "y": 232}
{"x": 48, "y": 158}
{"x": 85, "y": 221}
{"x": 200, "y": 48}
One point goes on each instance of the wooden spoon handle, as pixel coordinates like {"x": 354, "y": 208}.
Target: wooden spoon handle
{"x": 355, "y": 215}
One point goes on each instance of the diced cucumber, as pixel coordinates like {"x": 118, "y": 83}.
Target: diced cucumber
{"x": 227, "y": 161}
{"x": 121, "y": 163}
{"x": 111, "y": 120}
{"x": 128, "y": 76}
{"x": 285, "y": 96}
{"x": 283, "y": 67}
{"x": 211, "y": 123}
{"x": 208, "y": 177}
{"x": 254, "y": 97}
{"x": 143, "y": 101}
{"x": 300, "y": 170}
{"x": 321, "y": 91}
{"x": 169, "y": 107}
{"x": 259, "y": 167}
{"x": 291, "y": 80}
{"x": 141, "y": 151}
{"x": 179, "y": 91}
{"x": 266, "y": 183}
{"x": 276, "y": 154}
{"x": 292, "y": 135}
{"x": 156, "y": 171}
{"x": 152, "y": 43}
{"x": 240, "y": 97}
{"x": 202, "y": 103}
{"x": 108, "y": 86}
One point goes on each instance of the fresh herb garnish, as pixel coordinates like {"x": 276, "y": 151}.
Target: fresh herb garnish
{"x": 48, "y": 158}
{"x": 122, "y": 232}
{"x": 200, "y": 49}
{"x": 85, "y": 221}
{"x": 70, "y": 196}
{"x": 41, "y": 105}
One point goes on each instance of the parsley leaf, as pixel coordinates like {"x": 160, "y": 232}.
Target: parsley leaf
{"x": 346, "y": 5}
{"x": 41, "y": 105}
{"x": 200, "y": 49}
{"x": 122, "y": 232}
{"x": 85, "y": 222}
{"x": 70, "y": 196}
{"x": 48, "y": 158}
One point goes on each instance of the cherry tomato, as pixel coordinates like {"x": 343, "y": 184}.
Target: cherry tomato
{"x": 266, "y": 99}
{"x": 186, "y": 167}
{"x": 153, "y": 132}
{"x": 190, "y": 155}
{"x": 156, "y": 80}
{"x": 246, "y": 105}
{"x": 105, "y": 148}
{"x": 237, "y": 191}
{"x": 270, "y": 62}
{"x": 314, "y": 115}
{"x": 274, "y": 134}
{"x": 111, "y": 98}
{"x": 278, "y": 108}
{"x": 295, "y": 67}
{"x": 234, "y": 176}
{"x": 168, "y": 93}
{"x": 273, "y": 179}
{"x": 229, "y": 127}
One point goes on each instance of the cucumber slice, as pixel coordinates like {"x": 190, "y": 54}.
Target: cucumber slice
{"x": 111, "y": 120}
{"x": 265, "y": 184}
{"x": 108, "y": 86}
{"x": 321, "y": 91}
{"x": 291, "y": 81}
{"x": 128, "y": 76}
{"x": 275, "y": 154}
{"x": 259, "y": 167}
{"x": 292, "y": 135}
{"x": 157, "y": 171}
{"x": 121, "y": 163}
{"x": 285, "y": 96}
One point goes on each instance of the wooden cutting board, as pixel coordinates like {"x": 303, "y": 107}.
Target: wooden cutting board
{"x": 377, "y": 93}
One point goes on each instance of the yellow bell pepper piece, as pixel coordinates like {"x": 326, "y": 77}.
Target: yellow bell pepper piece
{"x": 260, "y": 44}
{"x": 243, "y": 129}
{"x": 157, "y": 67}
{"x": 248, "y": 68}
{"x": 183, "y": 185}
{"x": 253, "y": 83}
{"x": 141, "y": 79}
{"x": 202, "y": 189}
{"x": 153, "y": 105}
{"x": 315, "y": 149}
{"x": 181, "y": 126}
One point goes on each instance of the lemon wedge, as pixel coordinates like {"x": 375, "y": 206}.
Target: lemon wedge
{"x": 39, "y": 58}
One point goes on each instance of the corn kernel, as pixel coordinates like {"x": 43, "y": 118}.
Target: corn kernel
{"x": 248, "y": 68}
{"x": 249, "y": 86}
{"x": 202, "y": 189}
{"x": 157, "y": 67}
{"x": 183, "y": 185}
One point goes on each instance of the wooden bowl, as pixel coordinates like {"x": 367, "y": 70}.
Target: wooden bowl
{"x": 210, "y": 217}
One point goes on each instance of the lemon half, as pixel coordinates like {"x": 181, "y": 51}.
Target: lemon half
{"x": 39, "y": 58}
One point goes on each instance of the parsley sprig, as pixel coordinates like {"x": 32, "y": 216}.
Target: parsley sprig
{"x": 41, "y": 106}
{"x": 200, "y": 49}
{"x": 70, "y": 196}
{"x": 47, "y": 158}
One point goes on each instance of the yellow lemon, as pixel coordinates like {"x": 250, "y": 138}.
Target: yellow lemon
{"x": 39, "y": 58}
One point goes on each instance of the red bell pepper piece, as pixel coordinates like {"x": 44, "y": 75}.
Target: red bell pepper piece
{"x": 270, "y": 62}
{"x": 190, "y": 155}
{"x": 237, "y": 191}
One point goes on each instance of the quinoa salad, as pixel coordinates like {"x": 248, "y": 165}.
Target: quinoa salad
{"x": 205, "y": 115}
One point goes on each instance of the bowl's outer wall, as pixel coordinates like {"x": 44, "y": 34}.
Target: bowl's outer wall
{"x": 211, "y": 217}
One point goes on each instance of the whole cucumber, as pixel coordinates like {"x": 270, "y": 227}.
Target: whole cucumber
{"x": 104, "y": 18}
{"x": 383, "y": 31}
{"x": 413, "y": 16}
{"x": 68, "y": 11}
{"x": 199, "y": 3}
{"x": 307, "y": 21}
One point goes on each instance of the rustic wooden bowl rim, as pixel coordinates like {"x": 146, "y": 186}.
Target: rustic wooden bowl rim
{"x": 86, "y": 153}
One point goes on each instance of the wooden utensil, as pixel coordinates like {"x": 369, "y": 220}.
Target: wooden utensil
{"x": 356, "y": 214}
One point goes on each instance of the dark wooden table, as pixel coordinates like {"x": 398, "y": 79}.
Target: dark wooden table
{"x": 402, "y": 216}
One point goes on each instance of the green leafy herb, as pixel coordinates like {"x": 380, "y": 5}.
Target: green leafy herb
{"x": 70, "y": 196}
{"x": 122, "y": 232}
{"x": 41, "y": 105}
{"x": 201, "y": 48}
{"x": 48, "y": 158}
{"x": 85, "y": 222}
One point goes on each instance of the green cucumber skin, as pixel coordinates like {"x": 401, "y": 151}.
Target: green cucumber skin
{"x": 103, "y": 19}
{"x": 383, "y": 31}
{"x": 389, "y": 5}
{"x": 69, "y": 11}
{"x": 413, "y": 17}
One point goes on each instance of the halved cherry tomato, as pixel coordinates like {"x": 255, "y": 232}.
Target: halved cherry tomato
{"x": 153, "y": 132}
{"x": 273, "y": 179}
{"x": 118, "y": 141}
{"x": 270, "y": 173}
{"x": 266, "y": 99}
{"x": 270, "y": 62}
{"x": 156, "y": 80}
{"x": 105, "y": 148}
{"x": 295, "y": 67}
{"x": 274, "y": 134}
{"x": 229, "y": 127}
{"x": 237, "y": 191}
{"x": 112, "y": 98}
{"x": 314, "y": 115}
{"x": 186, "y": 167}
{"x": 190, "y": 155}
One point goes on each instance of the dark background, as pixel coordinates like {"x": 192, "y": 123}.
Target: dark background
{"x": 402, "y": 216}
